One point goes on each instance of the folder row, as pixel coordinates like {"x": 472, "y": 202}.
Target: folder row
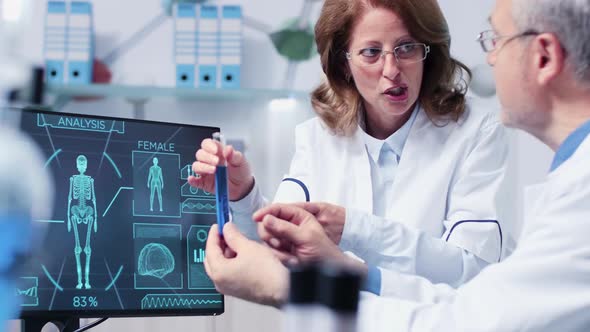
{"x": 208, "y": 45}
{"x": 69, "y": 42}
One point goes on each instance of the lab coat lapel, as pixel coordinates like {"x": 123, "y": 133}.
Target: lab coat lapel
{"x": 414, "y": 157}
{"x": 360, "y": 174}
{"x": 532, "y": 198}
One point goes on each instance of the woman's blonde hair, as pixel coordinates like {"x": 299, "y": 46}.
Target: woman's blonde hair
{"x": 337, "y": 100}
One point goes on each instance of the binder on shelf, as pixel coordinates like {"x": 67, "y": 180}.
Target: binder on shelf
{"x": 208, "y": 46}
{"x": 185, "y": 44}
{"x": 80, "y": 43}
{"x": 230, "y": 47}
{"x": 55, "y": 42}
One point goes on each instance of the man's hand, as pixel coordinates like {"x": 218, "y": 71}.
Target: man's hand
{"x": 245, "y": 269}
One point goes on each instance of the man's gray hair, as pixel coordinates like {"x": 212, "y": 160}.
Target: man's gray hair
{"x": 568, "y": 19}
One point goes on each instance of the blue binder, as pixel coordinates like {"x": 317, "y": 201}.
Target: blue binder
{"x": 231, "y": 47}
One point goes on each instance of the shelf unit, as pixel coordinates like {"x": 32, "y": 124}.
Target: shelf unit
{"x": 138, "y": 96}
{"x": 143, "y": 92}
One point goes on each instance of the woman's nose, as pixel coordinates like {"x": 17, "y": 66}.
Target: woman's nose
{"x": 390, "y": 66}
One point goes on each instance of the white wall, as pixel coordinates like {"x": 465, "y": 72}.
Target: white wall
{"x": 268, "y": 134}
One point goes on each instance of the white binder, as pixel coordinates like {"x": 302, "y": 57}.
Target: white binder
{"x": 55, "y": 42}
{"x": 208, "y": 46}
{"x": 230, "y": 47}
{"x": 185, "y": 44}
{"x": 80, "y": 43}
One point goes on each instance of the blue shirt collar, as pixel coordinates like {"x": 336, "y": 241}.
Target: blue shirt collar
{"x": 395, "y": 142}
{"x": 570, "y": 145}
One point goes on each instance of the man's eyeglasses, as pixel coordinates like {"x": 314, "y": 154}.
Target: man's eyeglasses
{"x": 489, "y": 39}
{"x": 404, "y": 54}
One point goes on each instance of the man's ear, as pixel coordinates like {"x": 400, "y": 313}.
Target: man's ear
{"x": 549, "y": 57}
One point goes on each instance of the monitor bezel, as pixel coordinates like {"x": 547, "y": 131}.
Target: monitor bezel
{"x": 122, "y": 313}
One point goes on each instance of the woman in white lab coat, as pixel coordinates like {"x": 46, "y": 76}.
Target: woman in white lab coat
{"x": 411, "y": 169}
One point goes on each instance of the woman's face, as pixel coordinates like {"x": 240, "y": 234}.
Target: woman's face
{"x": 389, "y": 88}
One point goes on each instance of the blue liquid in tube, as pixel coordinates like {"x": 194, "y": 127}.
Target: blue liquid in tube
{"x": 221, "y": 198}
{"x": 221, "y": 190}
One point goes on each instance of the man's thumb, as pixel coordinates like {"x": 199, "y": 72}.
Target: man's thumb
{"x": 232, "y": 236}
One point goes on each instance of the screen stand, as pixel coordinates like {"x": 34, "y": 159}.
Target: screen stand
{"x": 63, "y": 324}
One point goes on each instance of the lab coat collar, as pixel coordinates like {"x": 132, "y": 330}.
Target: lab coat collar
{"x": 570, "y": 145}
{"x": 395, "y": 142}
{"x": 566, "y": 173}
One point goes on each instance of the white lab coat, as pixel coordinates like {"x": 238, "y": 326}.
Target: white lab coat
{"x": 446, "y": 187}
{"x": 543, "y": 286}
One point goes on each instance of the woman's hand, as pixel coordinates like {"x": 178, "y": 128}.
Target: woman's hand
{"x": 302, "y": 238}
{"x": 331, "y": 217}
{"x": 209, "y": 156}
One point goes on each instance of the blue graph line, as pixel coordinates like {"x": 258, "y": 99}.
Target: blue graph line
{"x": 105, "y": 148}
{"x": 51, "y": 221}
{"x": 58, "y": 279}
{"x": 117, "y": 194}
{"x": 50, "y": 139}
{"x": 199, "y": 206}
{"x": 115, "y": 287}
{"x": 113, "y": 163}
{"x": 51, "y": 279}
{"x": 179, "y": 301}
{"x": 154, "y": 154}
{"x": 114, "y": 279}
{"x": 54, "y": 155}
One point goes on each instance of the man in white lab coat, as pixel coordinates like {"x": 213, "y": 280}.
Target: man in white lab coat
{"x": 540, "y": 51}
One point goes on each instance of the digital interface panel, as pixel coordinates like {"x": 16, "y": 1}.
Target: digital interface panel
{"x": 127, "y": 236}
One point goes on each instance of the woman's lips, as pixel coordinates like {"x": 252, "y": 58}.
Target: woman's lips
{"x": 397, "y": 94}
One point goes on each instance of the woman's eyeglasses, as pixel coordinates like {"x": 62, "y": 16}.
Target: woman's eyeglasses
{"x": 404, "y": 54}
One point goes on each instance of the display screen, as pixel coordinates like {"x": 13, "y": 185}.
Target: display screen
{"x": 127, "y": 236}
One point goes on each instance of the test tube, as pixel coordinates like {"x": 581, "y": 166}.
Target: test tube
{"x": 221, "y": 190}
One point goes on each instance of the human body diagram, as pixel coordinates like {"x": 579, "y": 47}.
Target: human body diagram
{"x": 82, "y": 217}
